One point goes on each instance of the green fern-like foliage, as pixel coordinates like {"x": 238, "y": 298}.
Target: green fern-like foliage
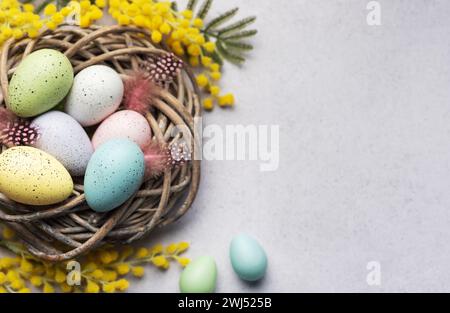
{"x": 204, "y": 10}
{"x": 191, "y": 4}
{"x": 231, "y": 36}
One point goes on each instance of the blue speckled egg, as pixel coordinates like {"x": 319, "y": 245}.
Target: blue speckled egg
{"x": 248, "y": 258}
{"x": 114, "y": 173}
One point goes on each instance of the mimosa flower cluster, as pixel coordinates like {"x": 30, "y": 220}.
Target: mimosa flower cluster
{"x": 184, "y": 32}
{"x": 18, "y": 20}
{"x": 105, "y": 270}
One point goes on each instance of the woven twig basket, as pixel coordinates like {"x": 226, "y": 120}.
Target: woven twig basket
{"x": 67, "y": 230}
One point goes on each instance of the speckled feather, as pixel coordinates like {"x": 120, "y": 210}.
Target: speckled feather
{"x": 15, "y": 131}
{"x": 160, "y": 157}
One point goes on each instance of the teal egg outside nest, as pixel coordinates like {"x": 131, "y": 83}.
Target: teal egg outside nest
{"x": 248, "y": 258}
{"x": 39, "y": 83}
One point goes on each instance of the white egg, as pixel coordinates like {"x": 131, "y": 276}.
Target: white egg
{"x": 96, "y": 93}
{"x": 62, "y": 137}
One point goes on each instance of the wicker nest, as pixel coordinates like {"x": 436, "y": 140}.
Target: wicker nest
{"x": 71, "y": 228}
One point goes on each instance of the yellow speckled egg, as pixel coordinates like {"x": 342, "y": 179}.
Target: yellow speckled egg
{"x": 31, "y": 176}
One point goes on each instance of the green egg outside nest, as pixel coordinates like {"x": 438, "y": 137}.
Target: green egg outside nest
{"x": 199, "y": 276}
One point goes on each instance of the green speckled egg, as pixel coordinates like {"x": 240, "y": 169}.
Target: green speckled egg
{"x": 39, "y": 83}
{"x": 31, "y": 176}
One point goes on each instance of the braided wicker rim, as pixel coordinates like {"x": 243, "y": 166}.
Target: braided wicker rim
{"x": 62, "y": 232}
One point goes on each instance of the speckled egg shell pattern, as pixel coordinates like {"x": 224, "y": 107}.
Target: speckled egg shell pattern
{"x": 65, "y": 139}
{"x": 31, "y": 176}
{"x": 40, "y": 82}
{"x": 96, "y": 93}
{"x": 114, "y": 173}
{"x": 124, "y": 124}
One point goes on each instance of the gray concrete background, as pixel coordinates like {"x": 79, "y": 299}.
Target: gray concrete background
{"x": 364, "y": 151}
{"x": 364, "y": 171}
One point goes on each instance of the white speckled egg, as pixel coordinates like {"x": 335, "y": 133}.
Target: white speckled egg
{"x": 96, "y": 93}
{"x": 124, "y": 124}
{"x": 61, "y": 136}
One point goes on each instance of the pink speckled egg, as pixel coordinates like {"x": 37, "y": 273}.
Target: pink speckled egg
{"x": 124, "y": 124}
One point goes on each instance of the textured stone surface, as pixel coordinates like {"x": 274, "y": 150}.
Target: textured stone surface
{"x": 364, "y": 171}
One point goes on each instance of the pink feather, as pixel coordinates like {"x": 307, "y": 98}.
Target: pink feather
{"x": 160, "y": 157}
{"x": 157, "y": 159}
{"x": 139, "y": 92}
{"x": 7, "y": 118}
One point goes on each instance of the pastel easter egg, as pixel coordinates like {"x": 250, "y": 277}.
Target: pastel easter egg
{"x": 96, "y": 93}
{"x": 199, "y": 276}
{"x": 61, "y": 136}
{"x": 248, "y": 258}
{"x": 32, "y": 176}
{"x": 114, "y": 173}
{"x": 124, "y": 124}
{"x": 39, "y": 83}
